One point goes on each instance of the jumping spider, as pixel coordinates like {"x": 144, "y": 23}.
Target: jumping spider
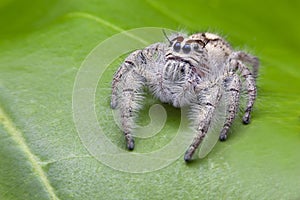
{"x": 198, "y": 71}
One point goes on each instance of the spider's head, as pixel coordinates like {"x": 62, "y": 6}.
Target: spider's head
{"x": 186, "y": 45}
{"x": 186, "y": 49}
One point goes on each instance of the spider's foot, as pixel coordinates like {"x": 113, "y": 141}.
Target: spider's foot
{"x": 113, "y": 104}
{"x": 223, "y": 137}
{"x": 189, "y": 154}
{"x": 129, "y": 141}
{"x": 246, "y": 118}
{"x": 224, "y": 134}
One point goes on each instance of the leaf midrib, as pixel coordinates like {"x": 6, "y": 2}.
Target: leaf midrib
{"x": 103, "y": 22}
{"x": 17, "y": 137}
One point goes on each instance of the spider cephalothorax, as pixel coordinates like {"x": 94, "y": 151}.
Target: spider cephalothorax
{"x": 196, "y": 71}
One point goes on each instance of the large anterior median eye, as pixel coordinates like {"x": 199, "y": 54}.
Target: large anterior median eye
{"x": 177, "y": 46}
{"x": 186, "y": 48}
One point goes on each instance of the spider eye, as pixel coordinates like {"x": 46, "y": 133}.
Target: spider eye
{"x": 177, "y": 46}
{"x": 186, "y": 48}
{"x": 196, "y": 47}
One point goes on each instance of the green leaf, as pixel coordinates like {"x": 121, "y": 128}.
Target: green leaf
{"x": 43, "y": 44}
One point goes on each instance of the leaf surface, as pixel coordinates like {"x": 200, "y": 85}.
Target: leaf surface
{"x": 44, "y": 43}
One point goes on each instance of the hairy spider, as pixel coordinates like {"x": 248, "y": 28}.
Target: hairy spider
{"x": 198, "y": 71}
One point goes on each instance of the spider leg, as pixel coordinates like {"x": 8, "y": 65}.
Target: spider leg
{"x": 137, "y": 60}
{"x": 127, "y": 87}
{"x": 128, "y": 84}
{"x": 237, "y": 65}
{"x": 252, "y": 60}
{"x": 130, "y": 103}
{"x": 203, "y": 112}
{"x": 251, "y": 91}
{"x": 115, "y": 83}
{"x": 126, "y": 66}
{"x": 232, "y": 88}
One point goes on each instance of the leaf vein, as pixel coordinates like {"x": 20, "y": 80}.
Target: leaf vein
{"x": 17, "y": 137}
{"x": 103, "y": 22}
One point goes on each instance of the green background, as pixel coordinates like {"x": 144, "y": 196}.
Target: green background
{"x": 42, "y": 45}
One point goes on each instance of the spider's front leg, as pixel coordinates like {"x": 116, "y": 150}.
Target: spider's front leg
{"x": 128, "y": 84}
{"x": 119, "y": 79}
{"x": 130, "y": 103}
{"x": 202, "y": 113}
{"x": 127, "y": 89}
